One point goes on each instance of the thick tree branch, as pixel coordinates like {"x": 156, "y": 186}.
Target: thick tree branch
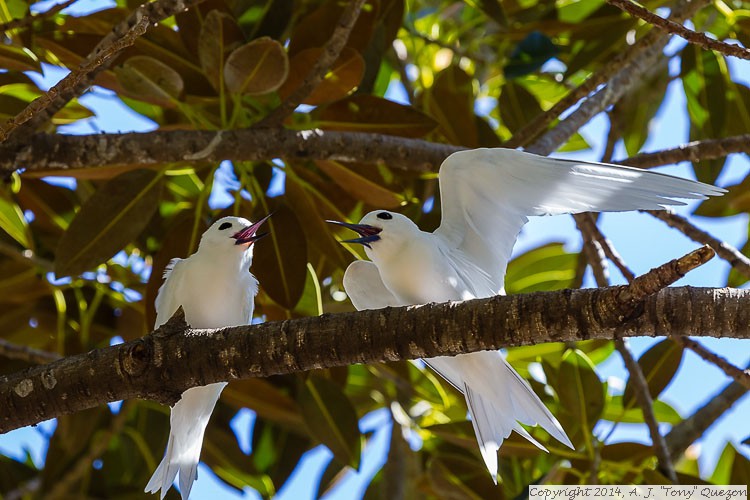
{"x": 74, "y": 84}
{"x": 331, "y": 52}
{"x": 678, "y": 29}
{"x": 48, "y": 152}
{"x": 154, "y": 367}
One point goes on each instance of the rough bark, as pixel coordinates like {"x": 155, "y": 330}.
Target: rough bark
{"x": 155, "y": 367}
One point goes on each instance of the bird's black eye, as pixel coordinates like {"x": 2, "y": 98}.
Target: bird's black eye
{"x": 384, "y": 215}
{"x": 225, "y": 225}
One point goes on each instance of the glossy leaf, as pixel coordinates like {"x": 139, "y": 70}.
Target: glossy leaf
{"x": 450, "y": 102}
{"x": 110, "y": 219}
{"x": 331, "y": 419}
{"x": 339, "y": 81}
{"x": 280, "y": 260}
{"x": 359, "y": 186}
{"x": 580, "y": 390}
{"x": 545, "y": 268}
{"x": 219, "y": 36}
{"x": 659, "y": 365}
{"x": 258, "y": 67}
{"x": 150, "y": 80}
{"x": 12, "y": 220}
{"x": 615, "y": 412}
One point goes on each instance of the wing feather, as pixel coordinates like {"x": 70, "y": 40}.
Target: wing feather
{"x": 487, "y": 195}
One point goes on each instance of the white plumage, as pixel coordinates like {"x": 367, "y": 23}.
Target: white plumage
{"x": 486, "y": 197}
{"x": 215, "y": 289}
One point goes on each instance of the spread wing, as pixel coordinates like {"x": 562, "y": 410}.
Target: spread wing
{"x": 365, "y": 287}
{"x": 487, "y": 194}
{"x": 168, "y": 300}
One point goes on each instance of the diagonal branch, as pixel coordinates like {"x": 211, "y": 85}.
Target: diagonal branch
{"x": 678, "y": 29}
{"x": 74, "y": 84}
{"x": 9, "y": 350}
{"x": 740, "y": 376}
{"x": 692, "y": 428}
{"x": 23, "y": 22}
{"x": 649, "y": 48}
{"x": 331, "y": 52}
{"x": 153, "y": 367}
{"x": 736, "y": 259}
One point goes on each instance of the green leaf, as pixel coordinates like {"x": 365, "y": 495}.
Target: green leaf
{"x": 366, "y": 113}
{"x": 331, "y": 418}
{"x": 258, "y": 67}
{"x": 546, "y": 268}
{"x": 359, "y": 186}
{"x": 150, "y": 80}
{"x": 110, "y": 219}
{"x": 219, "y": 36}
{"x": 659, "y": 365}
{"x": 614, "y": 412}
{"x": 580, "y": 390}
{"x": 450, "y": 102}
{"x": 280, "y": 260}
{"x": 12, "y": 220}
{"x": 723, "y": 470}
{"x": 517, "y": 106}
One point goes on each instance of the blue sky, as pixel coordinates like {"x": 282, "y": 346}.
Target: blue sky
{"x": 643, "y": 241}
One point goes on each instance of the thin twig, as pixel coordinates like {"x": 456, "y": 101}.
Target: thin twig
{"x": 695, "y": 151}
{"x": 736, "y": 259}
{"x": 738, "y": 374}
{"x": 26, "y": 21}
{"x": 643, "y": 397}
{"x": 96, "y": 450}
{"x": 694, "y": 427}
{"x": 674, "y": 28}
{"x": 74, "y": 78}
{"x": 26, "y": 255}
{"x": 122, "y": 35}
{"x": 627, "y": 76}
{"x": 330, "y": 53}
{"x": 587, "y": 226}
{"x": 10, "y": 350}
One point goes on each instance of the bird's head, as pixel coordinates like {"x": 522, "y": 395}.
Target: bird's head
{"x": 233, "y": 233}
{"x": 382, "y": 232}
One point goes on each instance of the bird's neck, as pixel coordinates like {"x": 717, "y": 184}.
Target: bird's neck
{"x": 237, "y": 260}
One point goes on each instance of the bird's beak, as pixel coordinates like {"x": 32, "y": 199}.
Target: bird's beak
{"x": 248, "y": 235}
{"x": 368, "y": 233}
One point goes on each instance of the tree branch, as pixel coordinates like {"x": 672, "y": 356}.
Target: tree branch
{"x": 331, "y": 52}
{"x": 674, "y": 28}
{"x": 649, "y": 48}
{"x": 154, "y": 366}
{"x": 686, "y": 432}
{"x": 695, "y": 151}
{"x": 739, "y": 375}
{"x": 26, "y": 21}
{"x": 75, "y": 83}
{"x": 57, "y": 152}
{"x": 9, "y": 350}
{"x": 723, "y": 249}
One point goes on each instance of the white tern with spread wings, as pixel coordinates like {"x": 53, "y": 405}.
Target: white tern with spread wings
{"x": 215, "y": 289}
{"x": 486, "y": 197}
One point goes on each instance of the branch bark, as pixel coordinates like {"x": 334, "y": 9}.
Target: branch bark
{"x": 678, "y": 29}
{"x": 154, "y": 366}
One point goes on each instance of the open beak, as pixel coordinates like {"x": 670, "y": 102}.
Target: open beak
{"x": 247, "y": 236}
{"x": 368, "y": 233}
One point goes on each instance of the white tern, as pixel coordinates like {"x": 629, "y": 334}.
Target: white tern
{"x": 486, "y": 197}
{"x": 215, "y": 289}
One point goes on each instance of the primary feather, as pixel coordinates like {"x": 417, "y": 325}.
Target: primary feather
{"x": 487, "y": 195}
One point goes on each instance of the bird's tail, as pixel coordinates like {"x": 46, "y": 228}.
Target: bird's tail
{"x": 499, "y": 400}
{"x": 188, "y": 422}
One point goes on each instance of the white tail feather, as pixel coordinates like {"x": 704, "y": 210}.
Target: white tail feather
{"x": 498, "y": 399}
{"x": 188, "y": 421}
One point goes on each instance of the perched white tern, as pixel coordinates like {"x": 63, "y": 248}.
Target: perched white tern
{"x": 215, "y": 289}
{"x": 486, "y": 196}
